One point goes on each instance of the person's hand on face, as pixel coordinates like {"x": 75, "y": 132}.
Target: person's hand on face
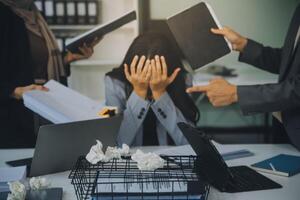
{"x": 238, "y": 42}
{"x": 219, "y": 92}
{"x": 19, "y": 91}
{"x": 139, "y": 76}
{"x": 159, "y": 76}
{"x": 86, "y": 51}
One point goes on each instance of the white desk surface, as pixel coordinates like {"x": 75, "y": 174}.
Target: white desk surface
{"x": 290, "y": 190}
{"x": 247, "y": 75}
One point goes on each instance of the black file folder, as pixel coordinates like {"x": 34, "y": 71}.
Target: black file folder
{"x": 39, "y": 5}
{"x": 192, "y": 31}
{"x": 92, "y": 11}
{"x": 49, "y": 11}
{"x": 60, "y": 11}
{"x": 99, "y": 32}
{"x": 81, "y": 8}
{"x": 70, "y": 12}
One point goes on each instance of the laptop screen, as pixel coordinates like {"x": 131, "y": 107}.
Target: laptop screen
{"x": 210, "y": 164}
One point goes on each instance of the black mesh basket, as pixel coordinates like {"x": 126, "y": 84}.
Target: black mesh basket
{"x": 122, "y": 180}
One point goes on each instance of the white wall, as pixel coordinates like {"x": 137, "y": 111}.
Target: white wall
{"x": 263, "y": 20}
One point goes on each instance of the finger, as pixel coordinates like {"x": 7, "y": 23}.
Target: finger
{"x": 141, "y": 65}
{"x": 78, "y": 56}
{"x": 218, "y": 31}
{"x": 219, "y": 103}
{"x": 128, "y": 77}
{"x": 82, "y": 52}
{"x": 164, "y": 66}
{"x": 148, "y": 75}
{"x": 145, "y": 69}
{"x": 45, "y": 89}
{"x": 153, "y": 70}
{"x": 216, "y": 79}
{"x": 198, "y": 89}
{"x": 30, "y": 87}
{"x": 173, "y": 76}
{"x": 40, "y": 87}
{"x": 133, "y": 64}
{"x": 89, "y": 50}
{"x": 96, "y": 41}
{"x": 158, "y": 65}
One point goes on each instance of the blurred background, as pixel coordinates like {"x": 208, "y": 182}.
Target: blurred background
{"x": 265, "y": 21}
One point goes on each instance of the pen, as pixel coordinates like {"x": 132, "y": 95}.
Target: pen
{"x": 273, "y": 168}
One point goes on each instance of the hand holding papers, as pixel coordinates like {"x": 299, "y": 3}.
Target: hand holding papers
{"x": 62, "y": 105}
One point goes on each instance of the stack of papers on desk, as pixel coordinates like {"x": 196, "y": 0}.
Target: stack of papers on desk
{"x": 62, "y": 104}
{"x": 150, "y": 189}
{"x": 10, "y": 174}
{"x": 187, "y": 150}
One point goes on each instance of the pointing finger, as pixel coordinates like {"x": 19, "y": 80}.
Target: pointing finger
{"x": 198, "y": 89}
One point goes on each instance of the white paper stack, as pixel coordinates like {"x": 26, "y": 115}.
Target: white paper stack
{"x": 10, "y": 174}
{"x": 62, "y": 104}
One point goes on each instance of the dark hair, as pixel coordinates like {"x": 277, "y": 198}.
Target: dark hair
{"x": 151, "y": 44}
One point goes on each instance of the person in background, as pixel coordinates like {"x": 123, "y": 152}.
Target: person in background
{"x": 282, "y": 98}
{"x": 29, "y": 56}
{"x": 149, "y": 89}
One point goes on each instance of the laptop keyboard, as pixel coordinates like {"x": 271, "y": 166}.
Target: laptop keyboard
{"x": 246, "y": 179}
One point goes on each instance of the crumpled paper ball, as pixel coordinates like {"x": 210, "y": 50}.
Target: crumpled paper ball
{"x": 38, "y": 183}
{"x": 18, "y": 191}
{"x": 96, "y": 153}
{"x": 147, "y": 161}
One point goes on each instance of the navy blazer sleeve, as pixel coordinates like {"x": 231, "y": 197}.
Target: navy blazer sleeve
{"x": 265, "y": 58}
{"x": 270, "y": 97}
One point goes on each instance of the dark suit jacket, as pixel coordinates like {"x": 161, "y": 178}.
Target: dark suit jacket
{"x": 16, "y": 122}
{"x": 283, "y": 96}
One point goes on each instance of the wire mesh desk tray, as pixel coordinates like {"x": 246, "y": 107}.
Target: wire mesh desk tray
{"x": 122, "y": 180}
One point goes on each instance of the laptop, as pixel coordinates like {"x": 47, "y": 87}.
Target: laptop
{"x": 59, "y": 146}
{"x": 211, "y": 166}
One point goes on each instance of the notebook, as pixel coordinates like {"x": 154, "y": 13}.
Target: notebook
{"x": 44, "y": 194}
{"x": 99, "y": 31}
{"x": 282, "y": 165}
{"x": 62, "y": 104}
{"x": 192, "y": 31}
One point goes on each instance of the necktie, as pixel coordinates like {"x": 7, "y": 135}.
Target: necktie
{"x": 149, "y": 129}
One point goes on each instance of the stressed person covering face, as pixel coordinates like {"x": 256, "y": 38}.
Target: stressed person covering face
{"x": 149, "y": 89}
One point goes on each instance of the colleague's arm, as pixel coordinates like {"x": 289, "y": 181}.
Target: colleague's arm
{"x": 131, "y": 109}
{"x": 271, "y": 97}
{"x": 251, "y": 52}
{"x": 85, "y": 52}
{"x": 265, "y": 58}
